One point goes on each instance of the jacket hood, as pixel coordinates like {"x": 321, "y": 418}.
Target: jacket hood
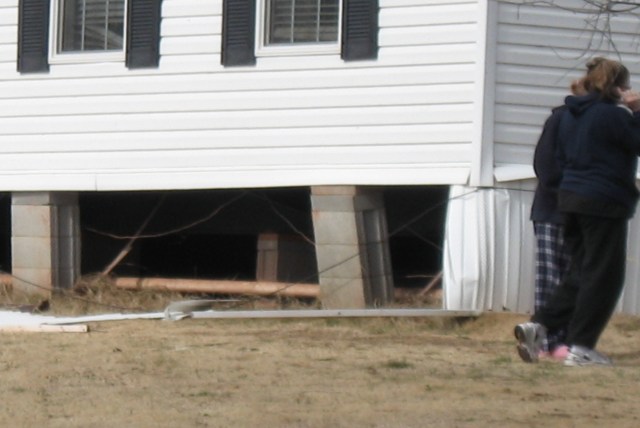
{"x": 579, "y": 104}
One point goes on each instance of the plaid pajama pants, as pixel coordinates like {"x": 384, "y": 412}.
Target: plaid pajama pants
{"x": 552, "y": 262}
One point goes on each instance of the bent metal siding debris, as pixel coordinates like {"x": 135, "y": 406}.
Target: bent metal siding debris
{"x": 11, "y": 321}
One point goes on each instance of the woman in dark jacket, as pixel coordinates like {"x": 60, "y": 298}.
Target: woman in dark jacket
{"x": 552, "y": 254}
{"x": 598, "y": 145}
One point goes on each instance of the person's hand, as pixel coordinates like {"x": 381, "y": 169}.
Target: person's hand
{"x": 631, "y": 99}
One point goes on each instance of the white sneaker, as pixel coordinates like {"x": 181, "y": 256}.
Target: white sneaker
{"x": 530, "y": 336}
{"x": 581, "y": 356}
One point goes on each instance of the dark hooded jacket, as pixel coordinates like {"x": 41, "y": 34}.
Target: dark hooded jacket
{"x": 548, "y": 171}
{"x": 598, "y": 148}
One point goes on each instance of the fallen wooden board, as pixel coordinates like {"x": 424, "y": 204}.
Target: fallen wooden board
{"x": 45, "y": 328}
{"x": 206, "y": 286}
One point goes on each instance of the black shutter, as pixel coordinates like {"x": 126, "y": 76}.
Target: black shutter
{"x": 238, "y": 32}
{"x": 360, "y": 30}
{"x": 143, "y": 33}
{"x": 33, "y": 36}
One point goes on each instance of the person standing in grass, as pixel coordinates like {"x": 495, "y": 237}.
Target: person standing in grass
{"x": 552, "y": 255}
{"x": 598, "y": 147}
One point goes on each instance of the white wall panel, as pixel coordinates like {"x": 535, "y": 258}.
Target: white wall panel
{"x": 429, "y": 14}
{"x": 541, "y": 49}
{"x": 285, "y": 158}
{"x": 8, "y": 35}
{"x": 191, "y": 26}
{"x": 419, "y": 96}
{"x": 441, "y": 34}
{"x": 190, "y": 8}
{"x": 188, "y": 45}
{"x": 60, "y": 84}
{"x": 411, "y": 108}
{"x": 266, "y": 119}
{"x": 442, "y": 138}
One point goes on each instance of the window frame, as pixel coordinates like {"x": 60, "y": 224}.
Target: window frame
{"x": 295, "y": 49}
{"x": 77, "y": 57}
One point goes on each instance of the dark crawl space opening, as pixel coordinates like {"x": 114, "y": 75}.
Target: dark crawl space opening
{"x": 416, "y": 222}
{"x": 217, "y": 234}
{"x": 5, "y": 232}
{"x": 208, "y": 234}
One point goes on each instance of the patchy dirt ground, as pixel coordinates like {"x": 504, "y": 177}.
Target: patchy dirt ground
{"x": 426, "y": 372}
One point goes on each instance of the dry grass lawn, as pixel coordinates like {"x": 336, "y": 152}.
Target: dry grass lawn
{"x": 410, "y": 372}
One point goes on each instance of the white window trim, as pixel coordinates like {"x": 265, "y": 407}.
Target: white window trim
{"x": 81, "y": 57}
{"x": 264, "y": 50}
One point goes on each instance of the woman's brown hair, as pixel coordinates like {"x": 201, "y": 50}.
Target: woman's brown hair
{"x": 606, "y": 77}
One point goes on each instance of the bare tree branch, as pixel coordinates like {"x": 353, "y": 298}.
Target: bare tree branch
{"x": 171, "y": 231}
{"x": 598, "y": 16}
{"x": 127, "y": 248}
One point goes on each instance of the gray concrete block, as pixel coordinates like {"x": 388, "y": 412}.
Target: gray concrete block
{"x": 68, "y": 252}
{"x": 44, "y": 198}
{"x": 67, "y": 277}
{"x": 32, "y": 281}
{"x": 340, "y": 293}
{"x": 335, "y": 228}
{"x": 31, "y": 198}
{"x": 334, "y": 190}
{"x": 32, "y": 220}
{"x": 333, "y": 203}
{"x": 339, "y": 261}
{"x": 351, "y": 245}
{"x": 369, "y": 201}
{"x": 45, "y": 240}
{"x": 67, "y": 220}
{"x": 35, "y": 252}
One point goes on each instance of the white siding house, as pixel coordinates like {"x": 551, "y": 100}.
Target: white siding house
{"x": 406, "y": 117}
{"x": 454, "y": 94}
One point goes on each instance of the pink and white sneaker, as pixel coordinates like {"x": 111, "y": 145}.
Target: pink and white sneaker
{"x": 560, "y": 352}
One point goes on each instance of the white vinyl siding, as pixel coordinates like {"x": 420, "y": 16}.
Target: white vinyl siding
{"x": 541, "y": 49}
{"x": 405, "y": 118}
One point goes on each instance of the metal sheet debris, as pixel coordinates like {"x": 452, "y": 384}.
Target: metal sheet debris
{"x": 200, "y": 309}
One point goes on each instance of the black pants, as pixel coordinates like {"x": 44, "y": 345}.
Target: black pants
{"x": 587, "y": 297}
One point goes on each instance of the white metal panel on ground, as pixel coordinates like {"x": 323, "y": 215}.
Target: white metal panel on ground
{"x": 405, "y": 118}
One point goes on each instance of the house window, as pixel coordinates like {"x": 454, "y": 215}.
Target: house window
{"x": 90, "y": 25}
{"x": 255, "y": 28}
{"x": 298, "y": 27}
{"x": 301, "y": 21}
{"x": 87, "y": 30}
{"x": 70, "y": 31}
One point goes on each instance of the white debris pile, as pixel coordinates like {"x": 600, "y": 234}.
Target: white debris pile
{"x": 14, "y": 318}
{"x": 22, "y": 321}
